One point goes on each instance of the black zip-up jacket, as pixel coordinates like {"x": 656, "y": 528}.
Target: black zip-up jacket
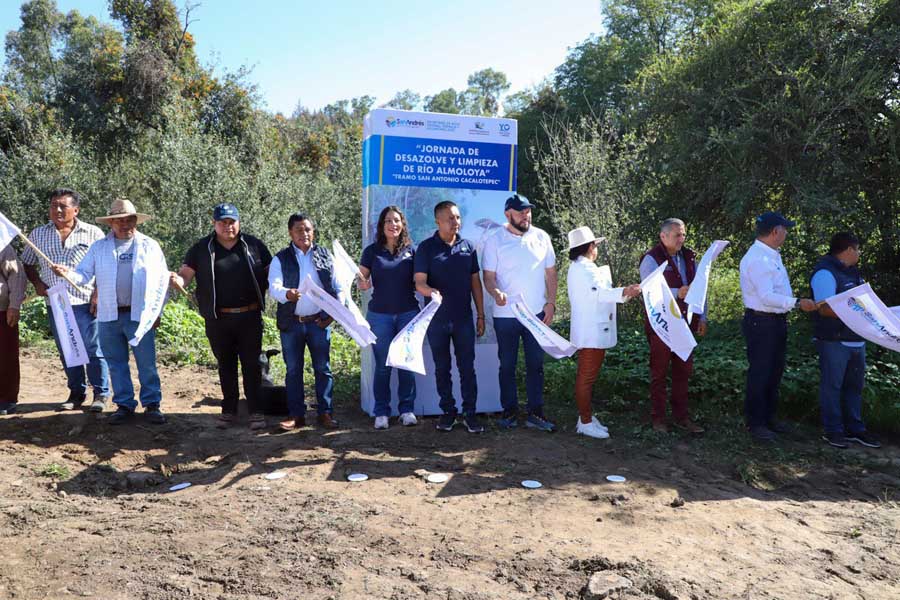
{"x": 255, "y": 253}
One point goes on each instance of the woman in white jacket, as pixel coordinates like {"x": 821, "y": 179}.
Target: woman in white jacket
{"x": 593, "y": 327}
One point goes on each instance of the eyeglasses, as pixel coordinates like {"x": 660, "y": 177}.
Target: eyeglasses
{"x": 57, "y": 206}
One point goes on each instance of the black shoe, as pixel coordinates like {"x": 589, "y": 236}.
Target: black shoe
{"x": 8, "y": 408}
{"x": 153, "y": 415}
{"x": 76, "y": 399}
{"x": 782, "y": 427}
{"x": 761, "y": 433}
{"x": 446, "y": 422}
{"x": 836, "y": 439}
{"x": 122, "y": 415}
{"x": 865, "y": 439}
{"x": 473, "y": 424}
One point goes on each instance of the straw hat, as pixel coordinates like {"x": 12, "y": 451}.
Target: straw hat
{"x": 582, "y": 236}
{"x": 121, "y": 207}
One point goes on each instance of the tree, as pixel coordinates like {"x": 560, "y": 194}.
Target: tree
{"x": 483, "y": 94}
{"x": 445, "y": 101}
{"x": 405, "y": 100}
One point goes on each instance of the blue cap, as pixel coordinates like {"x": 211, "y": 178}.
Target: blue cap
{"x": 772, "y": 219}
{"x": 225, "y": 211}
{"x": 517, "y": 202}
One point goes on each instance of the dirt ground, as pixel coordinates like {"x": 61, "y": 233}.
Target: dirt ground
{"x": 109, "y": 528}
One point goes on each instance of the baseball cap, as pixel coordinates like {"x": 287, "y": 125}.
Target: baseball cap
{"x": 771, "y": 219}
{"x": 225, "y": 211}
{"x": 517, "y": 202}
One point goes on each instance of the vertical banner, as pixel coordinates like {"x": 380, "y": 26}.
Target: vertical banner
{"x": 413, "y": 160}
{"x": 74, "y": 351}
{"x": 696, "y": 296}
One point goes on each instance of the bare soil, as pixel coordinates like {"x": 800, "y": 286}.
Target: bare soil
{"x": 85, "y": 511}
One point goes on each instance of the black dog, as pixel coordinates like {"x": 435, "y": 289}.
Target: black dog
{"x": 273, "y": 398}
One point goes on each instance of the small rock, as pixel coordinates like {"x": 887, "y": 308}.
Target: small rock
{"x": 140, "y": 479}
{"x": 62, "y": 493}
{"x": 678, "y": 502}
{"x": 604, "y": 583}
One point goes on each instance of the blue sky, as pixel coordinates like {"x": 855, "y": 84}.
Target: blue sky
{"x": 319, "y": 52}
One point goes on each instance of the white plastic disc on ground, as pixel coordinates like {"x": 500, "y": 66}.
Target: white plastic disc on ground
{"x": 275, "y": 475}
{"x": 616, "y": 478}
{"x": 531, "y": 484}
{"x": 357, "y": 477}
{"x": 437, "y": 478}
{"x": 180, "y": 486}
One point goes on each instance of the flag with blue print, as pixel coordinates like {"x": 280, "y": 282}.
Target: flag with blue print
{"x": 665, "y": 316}
{"x": 75, "y": 353}
{"x": 406, "y": 347}
{"x": 551, "y": 342}
{"x": 867, "y": 316}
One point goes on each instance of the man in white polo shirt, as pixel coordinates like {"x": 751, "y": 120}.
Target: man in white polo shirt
{"x": 519, "y": 260}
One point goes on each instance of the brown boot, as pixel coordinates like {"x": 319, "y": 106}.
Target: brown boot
{"x": 689, "y": 426}
{"x": 326, "y": 421}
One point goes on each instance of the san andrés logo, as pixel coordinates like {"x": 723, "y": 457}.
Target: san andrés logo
{"x": 658, "y": 317}
{"x": 856, "y": 305}
{"x": 395, "y": 122}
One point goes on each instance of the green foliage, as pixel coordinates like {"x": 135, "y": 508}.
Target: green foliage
{"x": 54, "y": 471}
{"x": 33, "y": 323}
{"x": 719, "y": 379}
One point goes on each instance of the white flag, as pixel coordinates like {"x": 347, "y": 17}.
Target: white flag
{"x": 664, "y": 315}
{"x": 150, "y": 265}
{"x": 345, "y": 271}
{"x": 864, "y": 313}
{"x": 552, "y": 343}
{"x": 896, "y": 311}
{"x": 74, "y": 351}
{"x": 8, "y": 231}
{"x": 696, "y": 296}
{"x": 406, "y": 347}
{"x": 355, "y": 325}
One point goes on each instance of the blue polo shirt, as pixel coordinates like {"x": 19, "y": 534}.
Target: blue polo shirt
{"x": 449, "y": 269}
{"x": 393, "y": 288}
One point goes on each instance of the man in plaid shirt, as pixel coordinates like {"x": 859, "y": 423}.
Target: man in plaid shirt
{"x": 65, "y": 240}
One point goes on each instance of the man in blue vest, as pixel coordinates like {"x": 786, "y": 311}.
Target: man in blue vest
{"x": 301, "y": 322}
{"x": 842, "y": 353}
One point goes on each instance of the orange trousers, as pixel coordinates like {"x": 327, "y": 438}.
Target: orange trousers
{"x": 589, "y": 362}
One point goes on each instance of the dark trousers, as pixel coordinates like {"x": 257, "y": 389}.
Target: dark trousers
{"x": 661, "y": 358}
{"x": 509, "y": 330}
{"x": 843, "y": 375}
{"x": 766, "y": 348}
{"x": 462, "y": 333}
{"x": 233, "y": 337}
{"x": 294, "y": 342}
{"x": 9, "y": 361}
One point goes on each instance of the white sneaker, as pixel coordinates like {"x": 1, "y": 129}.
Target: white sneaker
{"x": 598, "y": 424}
{"x": 408, "y": 419}
{"x": 592, "y": 429}
{"x": 381, "y": 422}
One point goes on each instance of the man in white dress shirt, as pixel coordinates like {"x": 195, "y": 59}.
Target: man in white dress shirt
{"x": 301, "y": 322}
{"x": 768, "y": 298}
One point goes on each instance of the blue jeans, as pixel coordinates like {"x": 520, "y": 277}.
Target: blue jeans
{"x": 97, "y": 368}
{"x": 509, "y": 330}
{"x": 766, "y": 351}
{"x": 843, "y": 374}
{"x": 114, "y": 336}
{"x": 385, "y": 327}
{"x": 293, "y": 343}
{"x": 462, "y": 334}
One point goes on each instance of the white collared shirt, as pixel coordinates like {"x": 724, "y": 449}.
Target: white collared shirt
{"x": 765, "y": 285}
{"x": 305, "y": 307}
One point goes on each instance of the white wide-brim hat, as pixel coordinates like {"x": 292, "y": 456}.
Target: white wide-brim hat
{"x": 121, "y": 207}
{"x": 581, "y": 236}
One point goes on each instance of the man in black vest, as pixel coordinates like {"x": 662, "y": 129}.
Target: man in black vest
{"x": 301, "y": 322}
{"x": 679, "y": 275}
{"x": 230, "y": 269}
{"x": 842, "y": 353}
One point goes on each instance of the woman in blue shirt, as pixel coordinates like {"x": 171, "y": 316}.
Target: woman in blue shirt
{"x": 387, "y": 268}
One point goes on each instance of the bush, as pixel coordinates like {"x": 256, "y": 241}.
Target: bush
{"x": 33, "y": 323}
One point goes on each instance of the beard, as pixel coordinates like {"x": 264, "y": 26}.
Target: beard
{"x": 522, "y": 226}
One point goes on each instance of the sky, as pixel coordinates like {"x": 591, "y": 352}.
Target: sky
{"x": 315, "y": 53}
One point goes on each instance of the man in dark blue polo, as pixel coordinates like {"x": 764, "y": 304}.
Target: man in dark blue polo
{"x": 448, "y": 264}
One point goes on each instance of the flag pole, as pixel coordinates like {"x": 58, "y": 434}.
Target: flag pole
{"x": 44, "y": 256}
